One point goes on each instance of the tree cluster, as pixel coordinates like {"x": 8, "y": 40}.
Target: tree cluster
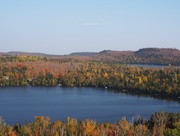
{"x": 160, "y": 124}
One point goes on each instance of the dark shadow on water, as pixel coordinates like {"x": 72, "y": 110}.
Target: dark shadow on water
{"x": 140, "y": 94}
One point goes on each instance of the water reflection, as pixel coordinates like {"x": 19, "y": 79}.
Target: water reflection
{"x": 140, "y": 94}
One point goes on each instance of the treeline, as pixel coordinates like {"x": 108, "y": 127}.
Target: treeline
{"x": 19, "y": 58}
{"x": 149, "y": 80}
{"x": 160, "y": 124}
{"x": 161, "y": 56}
{"x": 162, "y": 81}
{"x": 158, "y": 56}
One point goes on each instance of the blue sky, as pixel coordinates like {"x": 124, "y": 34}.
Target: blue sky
{"x": 65, "y": 26}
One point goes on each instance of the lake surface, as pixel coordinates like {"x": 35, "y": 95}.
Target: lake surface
{"x": 20, "y": 104}
{"x": 148, "y": 65}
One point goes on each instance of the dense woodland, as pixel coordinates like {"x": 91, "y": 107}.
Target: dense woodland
{"x": 159, "y": 56}
{"x": 95, "y": 71}
{"x": 160, "y": 124}
{"x": 32, "y": 70}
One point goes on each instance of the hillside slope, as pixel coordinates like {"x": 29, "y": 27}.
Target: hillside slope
{"x": 160, "y": 56}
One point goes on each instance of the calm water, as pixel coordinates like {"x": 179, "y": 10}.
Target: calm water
{"x": 148, "y": 65}
{"x": 18, "y": 104}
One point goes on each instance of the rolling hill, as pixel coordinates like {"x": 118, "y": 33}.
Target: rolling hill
{"x": 160, "y": 56}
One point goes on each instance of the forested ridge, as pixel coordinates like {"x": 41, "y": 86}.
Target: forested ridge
{"x": 158, "y": 56}
{"x": 160, "y": 124}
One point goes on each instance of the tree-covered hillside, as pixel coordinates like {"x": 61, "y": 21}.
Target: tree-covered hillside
{"x": 160, "y": 124}
{"x": 158, "y": 56}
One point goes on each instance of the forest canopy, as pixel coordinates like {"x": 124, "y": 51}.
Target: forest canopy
{"x": 82, "y": 71}
{"x": 160, "y": 124}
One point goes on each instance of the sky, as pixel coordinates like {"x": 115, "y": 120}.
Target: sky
{"x": 65, "y": 26}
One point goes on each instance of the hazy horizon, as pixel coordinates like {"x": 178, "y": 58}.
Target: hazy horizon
{"x": 16, "y": 51}
{"x": 64, "y": 27}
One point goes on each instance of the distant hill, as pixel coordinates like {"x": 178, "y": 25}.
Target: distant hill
{"x": 14, "y": 53}
{"x": 160, "y": 56}
{"x": 19, "y": 53}
{"x": 83, "y": 53}
{"x": 1, "y": 53}
{"x": 165, "y": 52}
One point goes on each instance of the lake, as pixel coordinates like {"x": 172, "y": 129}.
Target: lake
{"x": 147, "y": 65}
{"x": 20, "y": 104}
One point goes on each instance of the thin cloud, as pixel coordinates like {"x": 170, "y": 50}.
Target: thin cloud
{"x": 91, "y": 24}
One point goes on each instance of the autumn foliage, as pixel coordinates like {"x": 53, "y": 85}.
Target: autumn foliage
{"x": 75, "y": 71}
{"x": 72, "y": 72}
{"x": 157, "y": 125}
